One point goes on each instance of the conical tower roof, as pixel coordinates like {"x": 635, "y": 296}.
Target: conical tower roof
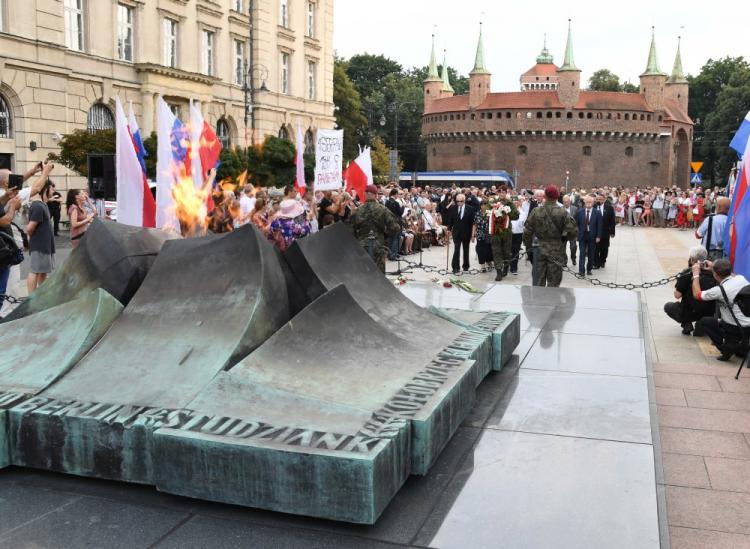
{"x": 432, "y": 74}
{"x": 446, "y": 80}
{"x": 568, "y": 63}
{"x": 545, "y": 58}
{"x": 479, "y": 66}
{"x": 652, "y": 69}
{"x": 677, "y": 76}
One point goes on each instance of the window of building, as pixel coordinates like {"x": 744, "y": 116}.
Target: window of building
{"x": 99, "y": 118}
{"x": 587, "y": 151}
{"x": 175, "y": 109}
{"x": 619, "y": 116}
{"x": 311, "y": 19}
{"x": 284, "y": 84}
{"x": 434, "y": 151}
{"x": 627, "y": 116}
{"x": 660, "y": 118}
{"x": 529, "y": 115}
{"x": 222, "y": 133}
{"x": 74, "y": 24}
{"x": 570, "y": 115}
{"x": 580, "y": 115}
{"x": 312, "y": 80}
{"x": 125, "y": 33}
{"x": 628, "y": 151}
{"x": 238, "y": 5}
{"x": 549, "y": 114}
{"x": 6, "y": 120}
{"x": 283, "y": 133}
{"x": 648, "y": 118}
{"x": 589, "y": 115}
{"x": 467, "y": 150}
{"x": 473, "y": 116}
{"x": 309, "y": 142}
{"x": 558, "y": 114}
{"x": 451, "y": 116}
{"x": 523, "y": 150}
{"x": 284, "y": 13}
{"x": 507, "y": 114}
{"x": 539, "y": 114}
{"x": 643, "y": 117}
{"x": 239, "y": 62}
{"x": 170, "y": 43}
{"x": 208, "y": 52}
{"x": 609, "y": 116}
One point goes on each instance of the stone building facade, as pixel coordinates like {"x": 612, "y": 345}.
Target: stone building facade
{"x": 553, "y": 130}
{"x": 62, "y": 62}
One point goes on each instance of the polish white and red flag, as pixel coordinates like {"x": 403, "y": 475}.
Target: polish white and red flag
{"x": 299, "y": 183}
{"x": 205, "y": 151}
{"x": 359, "y": 174}
{"x": 135, "y": 203}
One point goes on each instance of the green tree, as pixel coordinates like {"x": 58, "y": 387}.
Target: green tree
{"x": 627, "y": 87}
{"x": 604, "y": 80}
{"x": 367, "y": 72}
{"x": 151, "y": 144}
{"x": 349, "y": 115}
{"x": 77, "y": 145}
{"x": 718, "y": 101}
{"x": 380, "y": 160}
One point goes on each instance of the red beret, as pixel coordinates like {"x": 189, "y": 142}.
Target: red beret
{"x": 371, "y": 189}
{"x": 551, "y": 192}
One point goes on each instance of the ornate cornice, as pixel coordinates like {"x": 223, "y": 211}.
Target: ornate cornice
{"x": 153, "y": 68}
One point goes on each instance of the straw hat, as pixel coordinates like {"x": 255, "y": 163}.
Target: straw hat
{"x": 290, "y": 208}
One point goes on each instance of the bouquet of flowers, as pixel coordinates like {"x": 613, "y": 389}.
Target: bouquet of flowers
{"x": 499, "y": 214}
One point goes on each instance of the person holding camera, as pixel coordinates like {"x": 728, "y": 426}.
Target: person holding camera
{"x": 687, "y": 309}
{"x": 726, "y": 331}
{"x": 41, "y": 241}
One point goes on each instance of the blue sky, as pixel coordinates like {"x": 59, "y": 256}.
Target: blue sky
{"x": 514, "y": 32}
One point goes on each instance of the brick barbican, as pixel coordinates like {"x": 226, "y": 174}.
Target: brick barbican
{"x": 552, "y": 126}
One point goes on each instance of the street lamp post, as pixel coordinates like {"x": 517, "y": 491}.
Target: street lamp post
{"x": 395, "y": 108}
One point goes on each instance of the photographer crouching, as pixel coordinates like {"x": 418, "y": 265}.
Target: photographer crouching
{"x": 687, "y": 309}
{"x": 726, "y": 332}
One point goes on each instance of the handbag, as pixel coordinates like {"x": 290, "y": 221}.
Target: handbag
{"x": 10, "y": 253}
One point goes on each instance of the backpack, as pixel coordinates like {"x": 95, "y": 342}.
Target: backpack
{"x": 10, "y": 253}
{"x": 742, "y": 300}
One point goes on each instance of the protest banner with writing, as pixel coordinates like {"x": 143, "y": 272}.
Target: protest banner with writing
{"x": 329, "y": 147}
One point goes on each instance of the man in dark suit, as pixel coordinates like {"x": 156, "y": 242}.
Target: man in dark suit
{"x": 461, "y": 222}
{"x": 608, "y": 230}
{"x": 589, "y": 234}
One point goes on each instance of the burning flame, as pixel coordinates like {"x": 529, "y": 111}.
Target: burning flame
{"x": 190, "y": 207}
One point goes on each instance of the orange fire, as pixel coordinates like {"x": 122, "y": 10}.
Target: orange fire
{"x": 190, "y": 207}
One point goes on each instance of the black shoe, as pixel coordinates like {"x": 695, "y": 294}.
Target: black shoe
{"x": 687, "y": 328}
{"x": 596, "y": 268}
{"x": 582, "y": 273}
{"x": 456, "y": 271}
{"x": 698, "y": 332}
{"x": 589, "y": 273}
{"x": 573, "y": 261}
{"x": 505, "y": 271}
{"x": 499, "y": 276}
{"x": 725, "y": 357}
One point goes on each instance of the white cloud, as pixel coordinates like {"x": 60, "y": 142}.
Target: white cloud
{"x": 616, "y": 37}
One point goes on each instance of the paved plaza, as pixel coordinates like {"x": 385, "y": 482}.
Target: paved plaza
{"x": 608, "y": 429}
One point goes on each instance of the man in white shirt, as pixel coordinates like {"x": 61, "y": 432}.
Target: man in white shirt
{"x": 726, "y": 331}
{"x": 571, "y": 211}
{"x": 516, "y": 227}
{"x": 711, "y": 231}
{"x": 247, "y": 204}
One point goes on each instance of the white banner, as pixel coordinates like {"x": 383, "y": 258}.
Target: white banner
{"x": 329, "y": 149}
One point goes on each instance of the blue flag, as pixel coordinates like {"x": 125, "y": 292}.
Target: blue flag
{"x": 739, "y": 143}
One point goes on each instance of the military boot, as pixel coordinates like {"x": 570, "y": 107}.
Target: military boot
{"x": 499, "y": 275}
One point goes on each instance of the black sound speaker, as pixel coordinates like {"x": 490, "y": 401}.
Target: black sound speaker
{"x": 102, "y": 176}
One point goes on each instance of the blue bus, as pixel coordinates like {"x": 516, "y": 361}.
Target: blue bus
{"x": 483, "y": 179}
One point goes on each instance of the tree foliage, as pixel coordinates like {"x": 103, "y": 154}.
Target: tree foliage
{"x": 349, "y": 115}
{"x": 606, "y": 80}
{"x": 719, "y": 100}
{"x": 77, "y": 145}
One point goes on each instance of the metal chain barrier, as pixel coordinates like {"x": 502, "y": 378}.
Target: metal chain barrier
{"x": 10, "y": 299}
{"x": 447, "y": 272}
{"x": 593, "y": 281}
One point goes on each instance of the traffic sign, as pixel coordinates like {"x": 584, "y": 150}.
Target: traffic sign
{"x": 696, "y": 166}
{"x": 696, "y": 179}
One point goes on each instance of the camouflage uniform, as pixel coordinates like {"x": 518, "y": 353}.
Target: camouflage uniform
{"x": 553, "y": 227}
{"x": 501, "y": 241}
{"x": 373, "y": 217}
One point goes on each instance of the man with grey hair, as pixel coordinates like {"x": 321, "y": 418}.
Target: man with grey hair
{"x": 687, "y": 309}
{"x": 727, "y": 331}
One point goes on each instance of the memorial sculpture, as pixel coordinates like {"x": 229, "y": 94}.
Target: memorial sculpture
{"x": 206, "y": 386}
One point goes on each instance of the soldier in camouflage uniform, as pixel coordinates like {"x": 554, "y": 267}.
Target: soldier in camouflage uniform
{"x": 501, "y": 232}
{"x": 374, "y": 218}
{"x": 553, "y": 227}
